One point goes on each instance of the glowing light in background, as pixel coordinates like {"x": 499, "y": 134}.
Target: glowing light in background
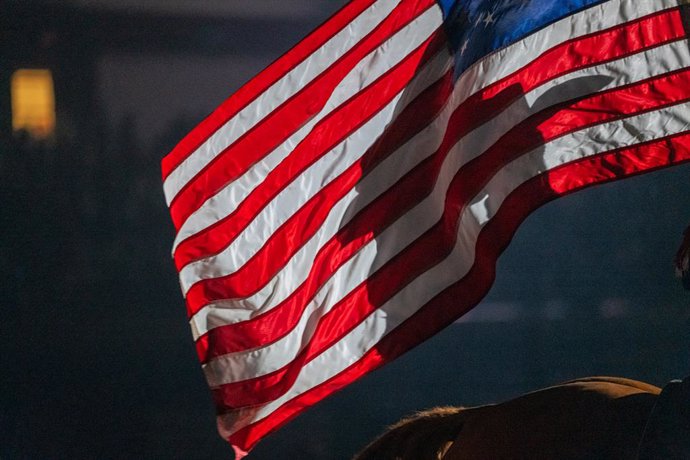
{"x": 33, "y": 102}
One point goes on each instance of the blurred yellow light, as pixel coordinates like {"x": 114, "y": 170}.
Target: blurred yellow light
{"x": 33, "y": 102}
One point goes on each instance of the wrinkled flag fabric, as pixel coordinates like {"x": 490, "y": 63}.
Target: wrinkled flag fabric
{"x": 352, "y": 199}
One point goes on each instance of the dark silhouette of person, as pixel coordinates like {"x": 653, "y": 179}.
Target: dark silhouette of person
{"x": 682, "y": 260}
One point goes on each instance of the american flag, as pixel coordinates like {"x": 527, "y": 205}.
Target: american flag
{"x": 352, "y": 199}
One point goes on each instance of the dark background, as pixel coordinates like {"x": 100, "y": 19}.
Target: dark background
{"x": 97, "y": 358}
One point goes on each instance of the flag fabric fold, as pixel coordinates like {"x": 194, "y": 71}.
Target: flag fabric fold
{"x": 352, "y": 199}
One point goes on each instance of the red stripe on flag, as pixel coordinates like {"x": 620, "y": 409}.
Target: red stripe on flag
{"x": 285, "y": 120}
{"x": 555, "y": 122}
{"x": 439, "y": 240}
{"x": 596, "y": 48}
{"x": 261, "y": 82}
{"x": 493, "y": 239}
{"x": 480, "y": 108}
{"x": 326, "y": 135}
{"x": 335, "y": 252}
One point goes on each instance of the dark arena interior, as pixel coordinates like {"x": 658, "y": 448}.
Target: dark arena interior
{"x": 97, "y": 357}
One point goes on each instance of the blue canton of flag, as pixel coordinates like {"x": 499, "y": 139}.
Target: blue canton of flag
{"x": 476, "y": 28}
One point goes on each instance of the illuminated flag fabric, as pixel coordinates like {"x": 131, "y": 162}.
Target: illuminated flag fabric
{"x": 352, "y": 199}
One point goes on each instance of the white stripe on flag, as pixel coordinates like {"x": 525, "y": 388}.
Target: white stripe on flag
{"x": 494, "y": 65}
{"x": 512, "y": 58}
{"x": 240, "y": 366}
{"x": 624, "y": 71}
{"x": 409, "y": 299}
{"x": 508, "y": 60}
{"x": 279, "y": 92}
{"x": 378, "y": 62}
{"x": 291, "y": 199}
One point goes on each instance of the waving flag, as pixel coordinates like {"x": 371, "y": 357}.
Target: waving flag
{"x": 352, "y": 199}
